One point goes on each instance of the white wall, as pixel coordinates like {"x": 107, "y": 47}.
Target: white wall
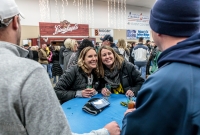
{"x": 31, "y": 11}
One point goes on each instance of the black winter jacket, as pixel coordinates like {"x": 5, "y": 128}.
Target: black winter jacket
{"x": 130, "y": 78}
{"x": 74, "y": 79}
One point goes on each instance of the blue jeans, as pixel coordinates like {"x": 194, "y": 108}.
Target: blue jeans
{"x": 142, "y": 70}
{"x": 49, "y": 67}
{"x": 55, "y": 79}
{"x": 45, "y": 66}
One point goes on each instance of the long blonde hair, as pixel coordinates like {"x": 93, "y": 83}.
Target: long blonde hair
{"x": 118, "y": 60}
{"x": 122, "y": 44}
{"x": 74, "y": 45}
{"x": 81, "y": 60}
{"x": 57, "y": 48}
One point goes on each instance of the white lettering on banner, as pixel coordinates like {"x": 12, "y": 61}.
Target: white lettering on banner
{"x": 135, "y": 34}
{"x": 104, "y": 30}
{"x": 64, "y": 30}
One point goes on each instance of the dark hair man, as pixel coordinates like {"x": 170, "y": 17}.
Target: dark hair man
{"x": 30, "y": 54}
{"x": 108, "y": 40}
{"x": 168, "y": 102}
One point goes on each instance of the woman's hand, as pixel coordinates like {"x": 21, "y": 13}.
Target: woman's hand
{"x": 105, "y": 92}
{"x": 130, "y": 93}
{"x": 88, "y": 92}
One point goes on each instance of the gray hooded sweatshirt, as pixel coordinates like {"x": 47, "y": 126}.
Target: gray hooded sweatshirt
{"x": 28, "y": 104}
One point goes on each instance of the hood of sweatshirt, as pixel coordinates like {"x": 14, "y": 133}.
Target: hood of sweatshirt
{"x": 187, "y": 51}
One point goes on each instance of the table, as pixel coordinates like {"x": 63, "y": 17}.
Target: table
{"x": 82, "y": 122}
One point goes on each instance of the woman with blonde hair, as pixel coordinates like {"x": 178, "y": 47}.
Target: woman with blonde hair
{"x": 123, "y": 50}
{"x": 120, "y": 74}
{"x": 74, "y": 60}
{"x": 80, "y": 80}
{"x": 74, "y": 45}
{"x": 67, "y": 52}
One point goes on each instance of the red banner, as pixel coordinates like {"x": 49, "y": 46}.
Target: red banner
{"x": 59, "y": 29}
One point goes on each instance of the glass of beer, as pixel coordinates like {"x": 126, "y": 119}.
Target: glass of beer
{"x": 131, "y": 103}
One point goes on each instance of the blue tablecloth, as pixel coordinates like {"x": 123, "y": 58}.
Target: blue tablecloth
{"x": 82, "y": 122}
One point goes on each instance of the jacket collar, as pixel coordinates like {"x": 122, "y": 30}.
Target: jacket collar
{"x": 12, "y": 49}
{"x": 84, "y": 74}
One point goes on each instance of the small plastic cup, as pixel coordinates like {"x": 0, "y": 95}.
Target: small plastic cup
{"x": 131, "y": 103}
{"x": 108, "y": 86}
{"x": 108, "y": 92}
{"x": 89, "y": 86}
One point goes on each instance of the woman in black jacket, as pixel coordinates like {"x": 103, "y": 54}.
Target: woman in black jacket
{"x": 120, "y": 74}
{"x": 79, "y": 80}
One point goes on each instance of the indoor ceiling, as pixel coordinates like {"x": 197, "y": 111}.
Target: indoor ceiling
{"x": 141, "y": 3}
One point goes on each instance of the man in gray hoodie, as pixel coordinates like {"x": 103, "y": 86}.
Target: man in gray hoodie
{"x": 28, "y": 102}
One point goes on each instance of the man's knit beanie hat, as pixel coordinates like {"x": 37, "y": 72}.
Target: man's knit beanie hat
{"x": 178, "y": 18}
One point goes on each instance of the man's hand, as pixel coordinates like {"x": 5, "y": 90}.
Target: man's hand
{"x": 113, "y": 128}
{"x": 129, "y": 110}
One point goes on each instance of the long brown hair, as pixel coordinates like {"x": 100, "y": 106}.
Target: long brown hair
{"x": 81, "y": 60}
{"x": 118, "y": 60}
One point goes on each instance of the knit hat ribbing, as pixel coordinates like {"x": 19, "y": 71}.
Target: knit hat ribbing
{"x": 179, "y": 18}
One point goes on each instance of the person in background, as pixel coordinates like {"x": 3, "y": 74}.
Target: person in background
{"x": 123, "y": 50}
{"x": 30, "y": 54}
{"x": 148, "y": 44}
{"x": 35, "y": 52}
{"x": 67, "y": 52}
{"x": 140, "y": 54}
{"x": 131, "y": 59}
{"x": 120, "y": 74}
{"x": 75, "y": 80}
{"x": 61, "y": 57}
{"x": 78, "y": 44}
{"x": 74, "y": 58}
{"x": 43, "y": 56}
{"x": 97, "y": 47}
{"x": 50, "y": 63}
{"x": 107, "y": 40}
{"x": 29, "y": 105}
{"x": 56, "y": 68}
{"x": 152, "y": 64}
{"x": 129, "y": 46}
{"x": 74, "y": 46}
{"x": 168, "y": 102}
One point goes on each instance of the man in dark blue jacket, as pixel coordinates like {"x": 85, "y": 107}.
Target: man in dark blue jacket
{"x": 169, "y": 101}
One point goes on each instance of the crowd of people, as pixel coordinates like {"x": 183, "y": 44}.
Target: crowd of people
{"x": 57, "y": 59}
{"x": 167, "y": 101}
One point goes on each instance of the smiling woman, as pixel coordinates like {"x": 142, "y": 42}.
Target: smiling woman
{"x": 88, "y": 60}
{"x": 120, "y": 74}
{"x": 79, "y": 80}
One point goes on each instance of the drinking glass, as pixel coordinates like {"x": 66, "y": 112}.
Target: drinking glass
{"x": 108, "y": 91}
{"x": 130, "y": 102}
{"x": 89, "y": 86}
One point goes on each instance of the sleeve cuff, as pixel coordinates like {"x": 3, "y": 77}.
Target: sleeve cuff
{"x": 78, "y": 94}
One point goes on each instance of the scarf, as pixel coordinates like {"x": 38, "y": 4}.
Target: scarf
{"x": 112, "y": 77}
